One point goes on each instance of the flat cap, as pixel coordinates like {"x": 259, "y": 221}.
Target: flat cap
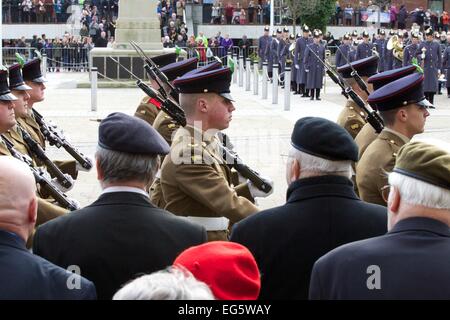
{"x": 285, "y": 29}
{"x": 15, "y": 78}
{"x": 279, "y": 30}
{"x": 355, "y": 33}
{"x": 399, "y": 93}
{"x": 382, "y": 32}
{"x": 365, "y": 67}
{"x": 305, "y": 28}
{"x": 324, "y": 139}
{"x": 266, "y": 28}
{"x": 124, "y": 133}
{"x": 316, "y": 33}
{"x": 211, "y": 66}
{"x": 32, "y": 71}
{"x": 217, "y": 81}
{"x": 177, "y": 69}
{"x": 424, "y": 162}
{"x": 291, "y": 36}
{"x": 228, "y": 268}
{"x": 365, "y": 34}
{"x": 5, "y": 93}
{"x": 347, "y": 36}
{"x": 380, "y": 79}
{"x": 164, "y": 59}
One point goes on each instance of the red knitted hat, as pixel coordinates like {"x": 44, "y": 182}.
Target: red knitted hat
{"x": 228, "y": 268}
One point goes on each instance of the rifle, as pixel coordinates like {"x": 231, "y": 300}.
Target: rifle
{"x": 56, "y": 138}
{"x": 233, "y": 161}
{"x": 355, "y": 75}
{"x": 372, "y": 116}
{"x": 41, "y": 178}
{"x": 167, "y": 104}
{"x": 154, "y": 73}
{"x": 65, "y": 180}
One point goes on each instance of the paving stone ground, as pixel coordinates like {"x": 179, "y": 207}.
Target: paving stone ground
{"x": 259, "y": 130}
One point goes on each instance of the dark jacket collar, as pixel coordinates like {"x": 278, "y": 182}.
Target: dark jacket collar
{"x": 12, "y": 240}
{"x": 121, "y": 198}
{"x": 422, "y": 224}
{"x": 320, "y": 187}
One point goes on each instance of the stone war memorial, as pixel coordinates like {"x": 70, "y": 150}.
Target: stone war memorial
{"x": 137, "y": 22}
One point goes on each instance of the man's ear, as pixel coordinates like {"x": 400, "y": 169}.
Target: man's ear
{"x": 100, "y": 174}
{"x": 295, "y": 170}
{"x": 202, "y": 105}
{"x": 32, "y": 211}
{"x": 394, "y": 200}
{"x": 402, "y": 115}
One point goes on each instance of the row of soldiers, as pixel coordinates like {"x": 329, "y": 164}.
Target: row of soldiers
{"x": 25, "y": 134}
{"x": 434, "y": 57}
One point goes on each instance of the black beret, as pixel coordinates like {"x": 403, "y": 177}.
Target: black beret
{"x": 124, "y": 133}
{"x": 324, "y": 139}
{"x": 32, "y": 71}
{"x": 177, "y": 69}
{"x": 164, "y": 59}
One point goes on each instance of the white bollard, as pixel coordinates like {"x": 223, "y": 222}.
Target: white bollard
{"x": 255, "y": 78}
{"x": 241, "y": 71}
{"x": 44, "y": 65}
{"x": 264, "y": 80}
{"x": 235, "y": 73}
{"x": 287, "y": 89}
{"x": 94, "y": 89}
{"x": 248, "y": 71}
{"x": 275, "y": 84}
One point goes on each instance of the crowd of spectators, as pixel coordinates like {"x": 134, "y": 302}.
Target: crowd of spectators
{"x": 398, "y": 17}
{"x": 54, "y": 11}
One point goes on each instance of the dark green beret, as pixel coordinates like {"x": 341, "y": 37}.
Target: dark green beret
{"x": 424, "y": 162}
{"x": 324, "y": 139}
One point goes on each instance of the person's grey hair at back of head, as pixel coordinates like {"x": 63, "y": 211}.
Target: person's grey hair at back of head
{"x": 173, "y": 283}
{"x": 119, "y": 166}
{"x": 420, "y": 193}
{"x": 315, "y": 166}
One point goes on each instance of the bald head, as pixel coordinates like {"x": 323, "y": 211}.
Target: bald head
{"x": 18, "y": 204}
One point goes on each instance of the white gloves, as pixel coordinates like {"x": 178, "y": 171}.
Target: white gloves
{"x": 256, "y": 193}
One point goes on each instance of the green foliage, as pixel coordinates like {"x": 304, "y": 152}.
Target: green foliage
{"x": 316, "y": 14}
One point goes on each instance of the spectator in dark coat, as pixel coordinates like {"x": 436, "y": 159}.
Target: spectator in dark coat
{"x": 102, "y": 42}
{"x": 22, "y": 274}
{"x": 322, "y": 211}
{"x": 121, "y": 235}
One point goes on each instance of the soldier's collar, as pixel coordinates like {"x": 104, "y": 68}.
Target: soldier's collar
{"x": 404, "y": 138}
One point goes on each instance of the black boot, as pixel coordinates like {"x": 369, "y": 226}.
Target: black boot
{"x": 312, "y": 94}
{"x": 295, "y": 85}
{"x": 318, "y": 94}
{"x": 448, "y": 92}
{"x": 431, "y": 98}
{"x": 439, "y": 88}
{"x": 302, "y": 89}
{"x": 306, "y": 94}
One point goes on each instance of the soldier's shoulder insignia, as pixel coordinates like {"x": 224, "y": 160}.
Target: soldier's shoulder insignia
{"x": 354, "y": 126}
{"x": 171, "y": 125}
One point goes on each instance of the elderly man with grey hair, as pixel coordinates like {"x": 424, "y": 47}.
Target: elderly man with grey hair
{"x": 121, "y": 234}
{"x": 412, "y": 261}
{"x": 173, "y": 283}
{"x": 322, "y": 211}
{"x": 22, "y": 274}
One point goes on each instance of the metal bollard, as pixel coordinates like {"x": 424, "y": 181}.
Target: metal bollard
{"x": 264, "y": 80}
{"x": 275, "y": 84}
{"x": 255, "y": 78}
{"x": 44, "y": 65}
{"x": 94, "y": 89}
{"x": 241, "y": 71}
{"x": 235, "y": 68}
{"x": 248, "y": 66}
{"x": 287, "y": 89}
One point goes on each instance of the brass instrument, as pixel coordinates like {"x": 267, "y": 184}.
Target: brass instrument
{"x": 396, "y": 46}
